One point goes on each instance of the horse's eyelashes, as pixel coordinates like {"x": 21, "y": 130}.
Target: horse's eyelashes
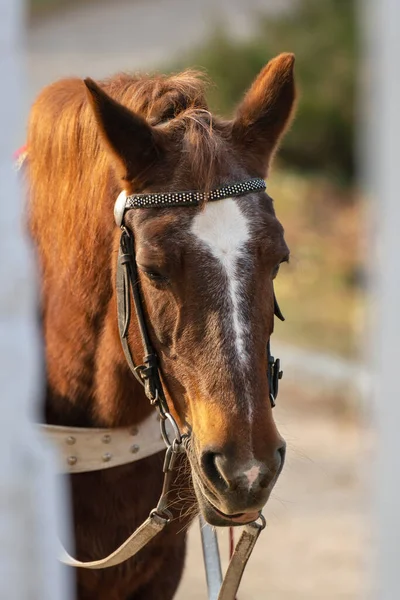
{"x": 275, "y": 270}
{"x": 155, "y": 276}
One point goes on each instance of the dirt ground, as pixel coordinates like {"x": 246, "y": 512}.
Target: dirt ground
{"x": 317, "y": 540}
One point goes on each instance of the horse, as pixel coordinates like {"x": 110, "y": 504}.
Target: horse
{"x": 206, "y": 276}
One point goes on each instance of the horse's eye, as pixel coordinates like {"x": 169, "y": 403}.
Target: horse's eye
{"x": 154, "y": 276}
{"x": 275, "y": 270}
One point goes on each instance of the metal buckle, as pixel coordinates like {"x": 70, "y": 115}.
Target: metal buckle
{"x": 162, "y": 514}
{"x": 178, "y": 438}
{"x": 274, "y": 375}
{"x": 277, "y": 374}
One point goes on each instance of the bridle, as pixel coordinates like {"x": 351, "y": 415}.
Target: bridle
{"x": 148, "y": 375}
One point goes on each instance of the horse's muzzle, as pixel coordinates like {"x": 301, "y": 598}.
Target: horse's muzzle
{"x": 233, "y": 491}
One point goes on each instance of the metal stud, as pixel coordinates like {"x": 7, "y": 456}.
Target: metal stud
{"x": 106, "y": 439}
{"x": 70, "y": 440}
{"x": 134, "y": 430}
{"x": 72, "y": 460}
{"x": 135, "y": 449}
{"x": 107, "y": 457}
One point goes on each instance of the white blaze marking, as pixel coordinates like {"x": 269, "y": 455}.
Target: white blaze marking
{"x": 252, "y": 474}
{"x": 224, "y": 229}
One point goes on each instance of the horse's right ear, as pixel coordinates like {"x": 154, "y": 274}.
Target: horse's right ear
{"x": 266, "y": 111}
{"x": 134, "y": 144}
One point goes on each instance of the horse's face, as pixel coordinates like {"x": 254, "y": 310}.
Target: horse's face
{"x": 207, "y": 277}
{"x": 207, "y": 280}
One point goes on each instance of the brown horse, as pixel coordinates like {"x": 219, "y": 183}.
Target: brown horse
{"x": 206, "y": 276}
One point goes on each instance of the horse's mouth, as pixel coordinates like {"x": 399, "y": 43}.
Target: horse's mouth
{"x": 213, "y": 515}
{"x": 229, "y": 520}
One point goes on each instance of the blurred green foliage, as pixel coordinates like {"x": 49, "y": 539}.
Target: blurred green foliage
{"x": 321, "y": 291}
{"x": 322, "y": 34}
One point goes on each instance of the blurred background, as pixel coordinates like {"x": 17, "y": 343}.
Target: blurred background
{"x": 316, "y": 545}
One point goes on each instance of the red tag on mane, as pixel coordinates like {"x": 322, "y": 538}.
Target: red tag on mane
{"x": 19, "y": 156}
{"x": 23, "y": 150}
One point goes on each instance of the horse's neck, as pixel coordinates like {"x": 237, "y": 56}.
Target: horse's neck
{"x": 116, "y": 402}
{"x": 89, "y": 381}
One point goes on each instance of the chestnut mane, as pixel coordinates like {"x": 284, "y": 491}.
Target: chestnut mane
{"x": 70, "y": 167}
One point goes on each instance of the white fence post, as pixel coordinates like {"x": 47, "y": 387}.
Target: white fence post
{"x": 29, "y": 496}
{"x": 382, "y": 144}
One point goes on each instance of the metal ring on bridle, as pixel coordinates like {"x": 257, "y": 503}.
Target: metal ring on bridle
{"x": 163, "y": 514}
{"x": 178, "y": 438}
{"x": 119, "y": 209}
{"x": 263, "y": 521}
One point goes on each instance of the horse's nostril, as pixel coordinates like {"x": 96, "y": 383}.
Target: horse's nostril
{"x": 209, "y": 463}
{"x": 229, "y": 475}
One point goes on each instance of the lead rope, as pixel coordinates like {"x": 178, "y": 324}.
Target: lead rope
{"x": 158, "y": 518}
{"x": 226, "y": 588}
{"x": 231, "y": 543}
{"x": 239, "y": 560}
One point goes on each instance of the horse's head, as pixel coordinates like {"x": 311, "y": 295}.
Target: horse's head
{"x": 206, "y": 275}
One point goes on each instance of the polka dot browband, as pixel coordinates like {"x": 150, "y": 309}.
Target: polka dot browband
{"x": 189, "y": 198}
{"x": 193, "y": 198}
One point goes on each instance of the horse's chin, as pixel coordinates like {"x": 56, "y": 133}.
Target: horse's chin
{"x": 213, "y": 516}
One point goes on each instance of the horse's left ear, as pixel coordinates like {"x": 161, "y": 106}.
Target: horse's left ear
{"x": 266, "y": 111}
{"x": 133, "y": 144}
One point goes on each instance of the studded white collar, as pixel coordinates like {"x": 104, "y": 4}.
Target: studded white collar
{"x": 83, "y": 449}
